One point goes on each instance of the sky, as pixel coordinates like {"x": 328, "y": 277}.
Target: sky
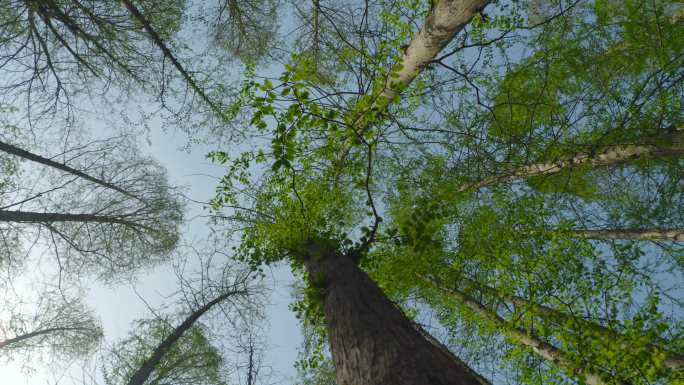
{"x": 194, "y": 170}
{"x": 117, "y": 306}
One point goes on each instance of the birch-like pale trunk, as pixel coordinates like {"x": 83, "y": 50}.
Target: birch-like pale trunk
{"x": 672, "y": 146}
{"x": 446, "y": 19}
{"x": 672, "y": 360}
{"x": 674, "y": 235}
{"x": 521, "y": 336}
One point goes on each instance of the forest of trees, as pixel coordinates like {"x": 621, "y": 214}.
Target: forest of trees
{"x": 465, "y": 191}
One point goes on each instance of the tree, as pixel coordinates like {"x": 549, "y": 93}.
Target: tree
{"x": 361, "y": 322}
{"x": 672, "y": 361}
{"x": 403, "y": 140}
{"x": 93, "y": 222}
{"x": 672, "y": 146}
{"x": 57, "y": 48}
{"x": 246, "y": 29}
{"x": 476, "y": 205}
{"x": 510, "y": 169}
{"x": 55, "y": 326}
{"x": 632, "y": 234}
{"x": 177, "y": 348}
{"x": 189, "y": 357}
{"x": 21, "y": 153}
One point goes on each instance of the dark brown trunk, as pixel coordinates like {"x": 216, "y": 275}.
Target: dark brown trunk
{"x": 16, "y": 151}
{"x": 371, "y": 341}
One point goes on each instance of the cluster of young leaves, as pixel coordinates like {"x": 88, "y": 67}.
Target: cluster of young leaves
{"x": 606, "y": 72}
{"x": 303, "y": 189}
{"x": 313, "y": 354}
{"x": 521, "y": 246}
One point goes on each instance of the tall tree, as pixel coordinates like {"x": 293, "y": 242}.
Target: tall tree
{"x": 55, "y": 326}
{"x": 672, "y": 361}
{"x": 362, "y": 324}
{"x": 27, "y": 155}
{"x": 58, "y": 48}
{"x": 187, "y": 357}
{"x": 100, "y": 207}
{"x": 672, "y": 145}
{"x": 481, "y": 147}
{"x": 176, "y": 348}
{"x": 412, "y": 135}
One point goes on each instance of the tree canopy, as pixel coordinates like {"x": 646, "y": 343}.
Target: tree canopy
{"x": 470, "y": 191}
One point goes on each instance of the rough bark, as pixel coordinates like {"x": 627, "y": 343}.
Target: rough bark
{"x": 672, "y": 361}
{"x": 16, "y": 151}
{"x": 143, "y": 373}
{"x": 446, "y": 19}
{"x": 371, "y": 341}
{"x": 675, "y": 235}
{"x": 609, "y": 156}
{"x": 541, "y": 348}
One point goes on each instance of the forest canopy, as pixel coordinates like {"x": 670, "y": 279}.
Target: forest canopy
{"x": 465, "y": 191}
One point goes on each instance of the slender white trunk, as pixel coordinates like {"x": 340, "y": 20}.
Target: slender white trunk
{"x": 609, "y": 156}
{"x": 521, "y": 336}
{"x": 672, "y": 360}
{"x": 675, "y": 235}
{"x": 446, "y": 19}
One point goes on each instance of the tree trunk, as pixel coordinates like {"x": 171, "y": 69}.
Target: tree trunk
{"x": 37, "y": 333}
{"x": 143, "y": 373}
{"x": 521, "y": 336}
{"x": 443, "y": 23}
{"x": 33, "y": 217}
{"x": 371, "y": 341}
{"x": 13, "y": 150}
{"x": 159, "y": 42}
{"x": 610, "y": 156}
{"x": 675, "y": 235}
{"x": 672, "y": 360}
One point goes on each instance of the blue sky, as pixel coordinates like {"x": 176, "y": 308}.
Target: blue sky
{"x": 117, "y": 306}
